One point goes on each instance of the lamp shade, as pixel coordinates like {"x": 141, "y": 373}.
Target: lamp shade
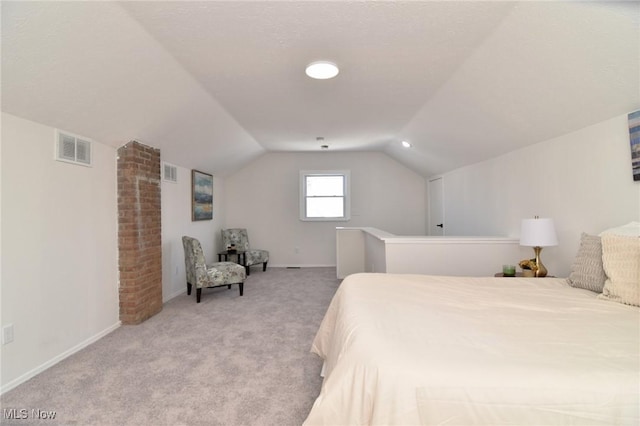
{"x": 538, "y": 232}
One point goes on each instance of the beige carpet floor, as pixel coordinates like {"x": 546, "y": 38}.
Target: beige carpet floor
{"x": 229, "y": 360}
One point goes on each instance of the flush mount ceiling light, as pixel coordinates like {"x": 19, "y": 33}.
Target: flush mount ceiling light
{"x": 322, "y": 70}
{"x": 406, "y": 144}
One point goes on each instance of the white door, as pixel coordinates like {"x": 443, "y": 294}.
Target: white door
{"x": 436, "y": 206}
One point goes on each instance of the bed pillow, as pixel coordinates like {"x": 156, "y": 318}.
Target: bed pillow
{"x": 621, "y": 262}
{"x": 630, "y": 229}
{"x": 587, "y": 271}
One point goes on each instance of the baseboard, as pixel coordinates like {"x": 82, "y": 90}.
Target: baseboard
{"x": 173, "y": 295}
{"x": 18, "y": 381}
{"x": 296, "y": 265}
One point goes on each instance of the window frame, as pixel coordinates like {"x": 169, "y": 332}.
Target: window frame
{"x": 346, "y": 176}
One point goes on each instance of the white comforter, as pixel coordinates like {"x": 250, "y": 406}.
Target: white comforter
{"x": 416, "y": 349}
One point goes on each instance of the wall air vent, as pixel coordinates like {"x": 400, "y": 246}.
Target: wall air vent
{"x": 169, "y": 172}
{"x": 73, "y": 149}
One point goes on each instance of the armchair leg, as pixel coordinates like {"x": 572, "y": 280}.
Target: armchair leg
{"x": 248, "y": 268}
{"x": 241, "y": 285}
{"x": 198, "y": 294}
{"x": 264, "y": 266}
{"x": 229, "y": 286}
{"x": 188, "y": 289}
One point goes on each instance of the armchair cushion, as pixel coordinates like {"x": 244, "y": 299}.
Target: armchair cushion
{"x": 223, "y": 273}
{"x": 240, "y": 238}
{"x": 256, "y": 256}
{"x": 201, "y": 275}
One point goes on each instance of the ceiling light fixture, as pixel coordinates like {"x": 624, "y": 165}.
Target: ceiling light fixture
{"x": 406, "y": 144}
{"x": 322, "y": 70}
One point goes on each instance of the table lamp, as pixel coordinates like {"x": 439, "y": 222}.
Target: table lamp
{"x": 538, "y": 233}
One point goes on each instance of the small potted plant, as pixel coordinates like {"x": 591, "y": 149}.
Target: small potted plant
{"x": 529, "y": 267}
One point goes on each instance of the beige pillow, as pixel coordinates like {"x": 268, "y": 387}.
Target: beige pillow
{"x": 631, "y": 229}
{"x": 621, "y": 262}
{"x": 587, "y": 271}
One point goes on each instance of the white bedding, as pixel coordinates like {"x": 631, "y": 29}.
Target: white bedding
{"x": 416, "y": 349}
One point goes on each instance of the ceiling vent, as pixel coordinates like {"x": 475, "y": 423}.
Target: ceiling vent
{"x": 73, "y": 149}
{"x": 169, "y": 172}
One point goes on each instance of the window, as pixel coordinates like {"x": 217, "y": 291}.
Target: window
{"x": 324, "y": 195}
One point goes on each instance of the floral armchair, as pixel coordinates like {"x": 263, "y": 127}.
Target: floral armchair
{"x": 240, "y": 238}
{"x": 202, "y": 275}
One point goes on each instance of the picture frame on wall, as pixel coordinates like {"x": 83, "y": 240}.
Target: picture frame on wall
{"x": 201, "y": 195}
{"x": 634, "y": 140}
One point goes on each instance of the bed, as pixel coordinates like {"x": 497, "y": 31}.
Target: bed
{"x": 419, "y": 349}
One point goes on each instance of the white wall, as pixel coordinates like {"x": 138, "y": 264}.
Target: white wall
{"x": 374, "y": 250}
{"x": 59, "y": 271}
{"x": 582, "y": 180}
{"x": 454, "y": 256}
{"x": 176, "y": 222}
{"x": 59, "y": 249}
{"x": 264, "y": 198}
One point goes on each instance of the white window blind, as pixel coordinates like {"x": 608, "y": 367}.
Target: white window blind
{"x": 324, "y": 195}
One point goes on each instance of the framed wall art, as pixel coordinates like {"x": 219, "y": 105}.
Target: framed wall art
{"x": 201, "y": 195}
{"x": 634, "y": 140}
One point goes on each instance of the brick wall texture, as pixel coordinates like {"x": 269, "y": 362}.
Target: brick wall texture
{"x": 139, "y": 232}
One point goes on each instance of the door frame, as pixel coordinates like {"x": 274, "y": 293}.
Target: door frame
{"x": 429, "y": 199}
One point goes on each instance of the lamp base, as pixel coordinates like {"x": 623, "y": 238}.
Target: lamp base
{"x": 541, "y": 272}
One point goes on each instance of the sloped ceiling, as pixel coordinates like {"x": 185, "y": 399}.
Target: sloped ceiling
{"x": 214, "y": 84}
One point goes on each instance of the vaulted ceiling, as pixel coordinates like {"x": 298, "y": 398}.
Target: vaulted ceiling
{"x": 215, "y": 84}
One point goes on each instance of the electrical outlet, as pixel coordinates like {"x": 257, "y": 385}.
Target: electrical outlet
{"x": 7, "y": 334}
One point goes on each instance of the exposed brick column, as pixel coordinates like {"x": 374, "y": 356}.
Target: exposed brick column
{"x": 139, "y": 232}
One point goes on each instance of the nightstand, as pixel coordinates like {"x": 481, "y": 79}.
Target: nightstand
{"x": 519, "y": 274}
